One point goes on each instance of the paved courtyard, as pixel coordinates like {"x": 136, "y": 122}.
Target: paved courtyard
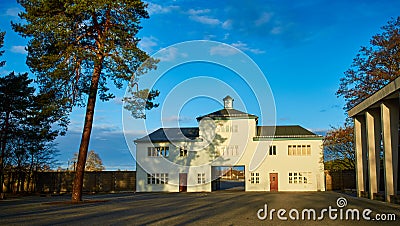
{"x": 217, "y": 208}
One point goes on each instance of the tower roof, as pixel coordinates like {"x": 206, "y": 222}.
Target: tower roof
{"x": 228, "y": 112}
{"x": 227, "y": 98}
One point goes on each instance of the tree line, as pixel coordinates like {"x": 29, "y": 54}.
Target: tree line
{"x": 30, "y": 120}
{"x": 27, "y": 127}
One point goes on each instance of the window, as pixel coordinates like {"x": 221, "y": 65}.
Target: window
{"x": 303, "y": 150}
{"x": 183, "y": 152}
{"x": 158, "y": 151}
{"x": 227, "y": 128}
{"x": 299, "y": 150}
{"x": 308, "y": 150}
{"x": 235, "y": 128}
{"x": 272, "y": 150}
{"x": 230, "y": 150}
{"x": 290, "y": 150}
{"x": 157, "y": 178}
{"x": 299, "y": 177}
{"x": 201, "y": 178}
{"x": 255, "y": 178}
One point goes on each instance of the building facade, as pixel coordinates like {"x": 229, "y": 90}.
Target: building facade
{"x": 274, "y": 158}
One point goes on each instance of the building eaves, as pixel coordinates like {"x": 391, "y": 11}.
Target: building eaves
{"x": 227, "y": 114}
{"x": 387, "y": 92}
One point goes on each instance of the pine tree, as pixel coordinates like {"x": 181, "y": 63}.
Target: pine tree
{"x": 2, "y": 34}
{"x": 77, "y": 47}
{"x": 15, "y": 99}
{"x": 2, "y": 63}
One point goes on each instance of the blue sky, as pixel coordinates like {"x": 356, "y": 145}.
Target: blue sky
{"x": 302, "y": 47}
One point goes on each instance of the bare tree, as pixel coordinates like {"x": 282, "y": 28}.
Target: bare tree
{"x": 93, "y": 162}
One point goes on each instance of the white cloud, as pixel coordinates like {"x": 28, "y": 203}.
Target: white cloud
{"x": 170, "y": 54}
{"x": 223, "y": 50}
{"x": 18, "y": 49}
{"x": 226, "y": 36}
{"x": 100, "y": 125}
{"x": 136, "y": 133}
{"x": 199, "y": 11}
{"x": 263, "y": 19}
{"x": 177, "y": 118}
{"x": 244, "y": 47}
{"x": 209, "y": 37}
{"x": 106, "y": 127}
{"x": 276, "y": 30}
{"x": 205, "y": 20}
{"x": 321, "y": 132}
{"x": 147, "y": 43}
{"x": 227, "y": 24}
{"x": 153, "y": 8}
{"x": 13, "y": 12}
{"x": 198, "y": 16}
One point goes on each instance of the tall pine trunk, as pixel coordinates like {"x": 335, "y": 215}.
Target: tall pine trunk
{"x": 30, "y": 175}
{"x": 2, "y": 154}
{"x": 87, "y": 129}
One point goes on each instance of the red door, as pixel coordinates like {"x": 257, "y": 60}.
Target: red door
{"x": 182, "y": 182}
{"x": 273, "y": 181}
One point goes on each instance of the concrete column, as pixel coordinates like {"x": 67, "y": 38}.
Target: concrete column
{"x": 390, "y": 133}
{"x": 372, "y": 119}
{"x": 361, "y": 153}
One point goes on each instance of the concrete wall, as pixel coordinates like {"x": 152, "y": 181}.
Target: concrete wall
{"x": 103, "y": 181}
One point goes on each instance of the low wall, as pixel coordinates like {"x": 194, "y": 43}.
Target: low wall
{"x": 102, "y": 181}
{"x": 340, "y": 180}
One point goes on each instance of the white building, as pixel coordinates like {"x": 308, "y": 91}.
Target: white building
{"x": 281, "y": 158}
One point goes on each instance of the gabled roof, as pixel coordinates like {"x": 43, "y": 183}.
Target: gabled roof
{"x": 171, "y": 134}
{"x": 227, "y": 98}
{"x": 227, "y": 113}
{"x": 293, "y": 131}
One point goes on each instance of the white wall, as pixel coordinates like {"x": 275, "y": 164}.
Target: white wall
{"x": 282, "y": 164}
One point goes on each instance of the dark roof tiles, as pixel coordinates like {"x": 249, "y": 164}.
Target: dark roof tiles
{"x": 227, "y": 113}
{"x": 172, "y": 134}
{"x": 284, "y": 131}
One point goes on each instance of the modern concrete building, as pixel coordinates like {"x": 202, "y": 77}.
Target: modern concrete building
{"x": 376, "y": 128}
{"x": 281, "y": 158}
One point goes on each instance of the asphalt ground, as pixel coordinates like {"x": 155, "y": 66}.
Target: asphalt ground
{"x": 216, "y": 208}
